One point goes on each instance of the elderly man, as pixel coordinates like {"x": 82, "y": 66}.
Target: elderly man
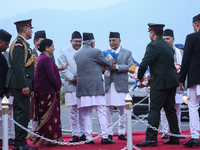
{"x": 159, "y": 56}
{"x": 190, "y": 67}
{"x": 38, "y": 37}
{"x": 20, "y": 81}
{"x": 168, "y": 36}
{"x": 90, "y": 91}
{"x": 116, "y": 85}
{"x": 4, "y": 44}
{"x": 70, "y": 74}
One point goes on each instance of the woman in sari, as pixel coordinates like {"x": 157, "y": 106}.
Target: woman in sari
{"x": 47, "y": 86}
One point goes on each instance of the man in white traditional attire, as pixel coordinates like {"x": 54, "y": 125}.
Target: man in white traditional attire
{"x": 116, "y": 85}
{"x": 70, "y": 82}
{"x": 168, "y": 36}
{"x": 90, "y": 91}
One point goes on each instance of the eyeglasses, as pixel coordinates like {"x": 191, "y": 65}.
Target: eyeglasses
{"x": 77, "y": 41}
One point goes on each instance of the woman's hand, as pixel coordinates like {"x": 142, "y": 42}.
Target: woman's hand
{"x": 61, "y": 67}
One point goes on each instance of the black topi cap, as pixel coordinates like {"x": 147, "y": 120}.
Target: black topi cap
{"x": 76, "y": 35}
{"x": 40, "y": 34}
{"x": 153, "y": 26}
{"x": 24, "y": 23}
{"x": 196, "y": 18}
{"x": 168, "y": 32}
{"x": 88, "y": 36}
{"x": 5, "y": 36}
{"x": 114, "y": 35}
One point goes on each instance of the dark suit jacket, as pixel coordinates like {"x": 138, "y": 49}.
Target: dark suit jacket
{"x": 19, "y": 76}
{"x": 3, "y": 73}
{"x": 36, "y": 54}
{"x": 159, "y": 57}
{"x": 191, "y": 60}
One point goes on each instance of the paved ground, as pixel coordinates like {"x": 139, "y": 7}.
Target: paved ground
{"x": 135, "y": 128}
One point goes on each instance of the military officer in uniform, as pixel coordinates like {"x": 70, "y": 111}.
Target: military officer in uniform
{"x": 4, "y": 44}
{"x": 20, "y": 81}
{"x": 190, "y": 67}
{"x": 38, "y": 37}
{"x": 159, "y": 56}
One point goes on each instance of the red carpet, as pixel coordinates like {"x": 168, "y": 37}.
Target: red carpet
{"x": 137, "y": 137}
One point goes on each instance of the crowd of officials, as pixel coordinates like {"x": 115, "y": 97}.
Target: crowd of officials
{"x": 32, "y": 78}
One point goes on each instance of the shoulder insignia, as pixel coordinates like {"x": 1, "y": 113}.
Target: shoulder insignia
{"x": 18, "y": 44}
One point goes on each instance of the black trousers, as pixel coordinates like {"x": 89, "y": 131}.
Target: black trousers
{"x": 162, "y": 98}
{"x": 21, "y": 113}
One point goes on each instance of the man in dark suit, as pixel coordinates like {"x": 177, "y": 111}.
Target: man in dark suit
{"x": 20, "y": 81}
{"x": 159, "y": 56}
{"x": 38, "y": 37}
{"x": 4, "y": 44}
{"x": 190, "y": 67}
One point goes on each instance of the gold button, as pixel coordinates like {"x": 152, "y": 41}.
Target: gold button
{"x": 27, "y": 75}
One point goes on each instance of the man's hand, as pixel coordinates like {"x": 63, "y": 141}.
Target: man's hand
{"x": 182, "y": 86}
{"x": 74, "y": 81}
{"x": 61, "y": 67}
{"x": 25, "y": 91}
{"x": 112, "y": 67}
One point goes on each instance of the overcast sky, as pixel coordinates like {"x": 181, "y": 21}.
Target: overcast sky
{"x": 10, "y": 8}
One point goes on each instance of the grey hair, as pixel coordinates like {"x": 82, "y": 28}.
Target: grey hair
{"x": 88, "y": 42}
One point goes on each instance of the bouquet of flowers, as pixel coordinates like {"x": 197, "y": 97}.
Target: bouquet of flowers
{"x": 178, "y": 68}
{"x": 109, "y": 54}
{"x": 133, "y": 70}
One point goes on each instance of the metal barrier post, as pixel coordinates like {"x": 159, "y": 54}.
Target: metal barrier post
{"x": 5, "y": 109}
{"x": 128, "y": 100}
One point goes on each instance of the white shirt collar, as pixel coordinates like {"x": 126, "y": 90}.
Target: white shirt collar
{"x": 117, "y": 50}
{"x": 38, "y": 52}
{"x": 74, "y": 50}
{"x": 22, "y": 37}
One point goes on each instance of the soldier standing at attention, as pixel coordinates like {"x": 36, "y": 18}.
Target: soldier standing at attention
{"x": 20, "y": 81}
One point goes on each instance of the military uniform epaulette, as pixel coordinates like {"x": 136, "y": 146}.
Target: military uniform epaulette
{"x": 22, "y": 43}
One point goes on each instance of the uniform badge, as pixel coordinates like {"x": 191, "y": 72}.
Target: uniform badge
{"x": 18, "y": 44}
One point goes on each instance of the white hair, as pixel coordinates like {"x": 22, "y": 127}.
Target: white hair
{"x": 88, "y": 42}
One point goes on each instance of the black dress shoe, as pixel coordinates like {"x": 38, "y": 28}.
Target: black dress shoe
{"x": 173, "y": 142}
{"x": 192, "y": 142}
{"x": 11, "y": 142}
{"x": 107, "y": 141}
{"x": 25, "y": 147}
{"x": 83, "y": 138}
{"x": 164, "y": 136}
{"x": 0, "y": 142}
{"x": 147, "y": 143}
{"x": 74, "y": 139}
{"x": 110, "y": 136}
{"x": 90, "y": 142}
{"x": 122, "y": 137}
